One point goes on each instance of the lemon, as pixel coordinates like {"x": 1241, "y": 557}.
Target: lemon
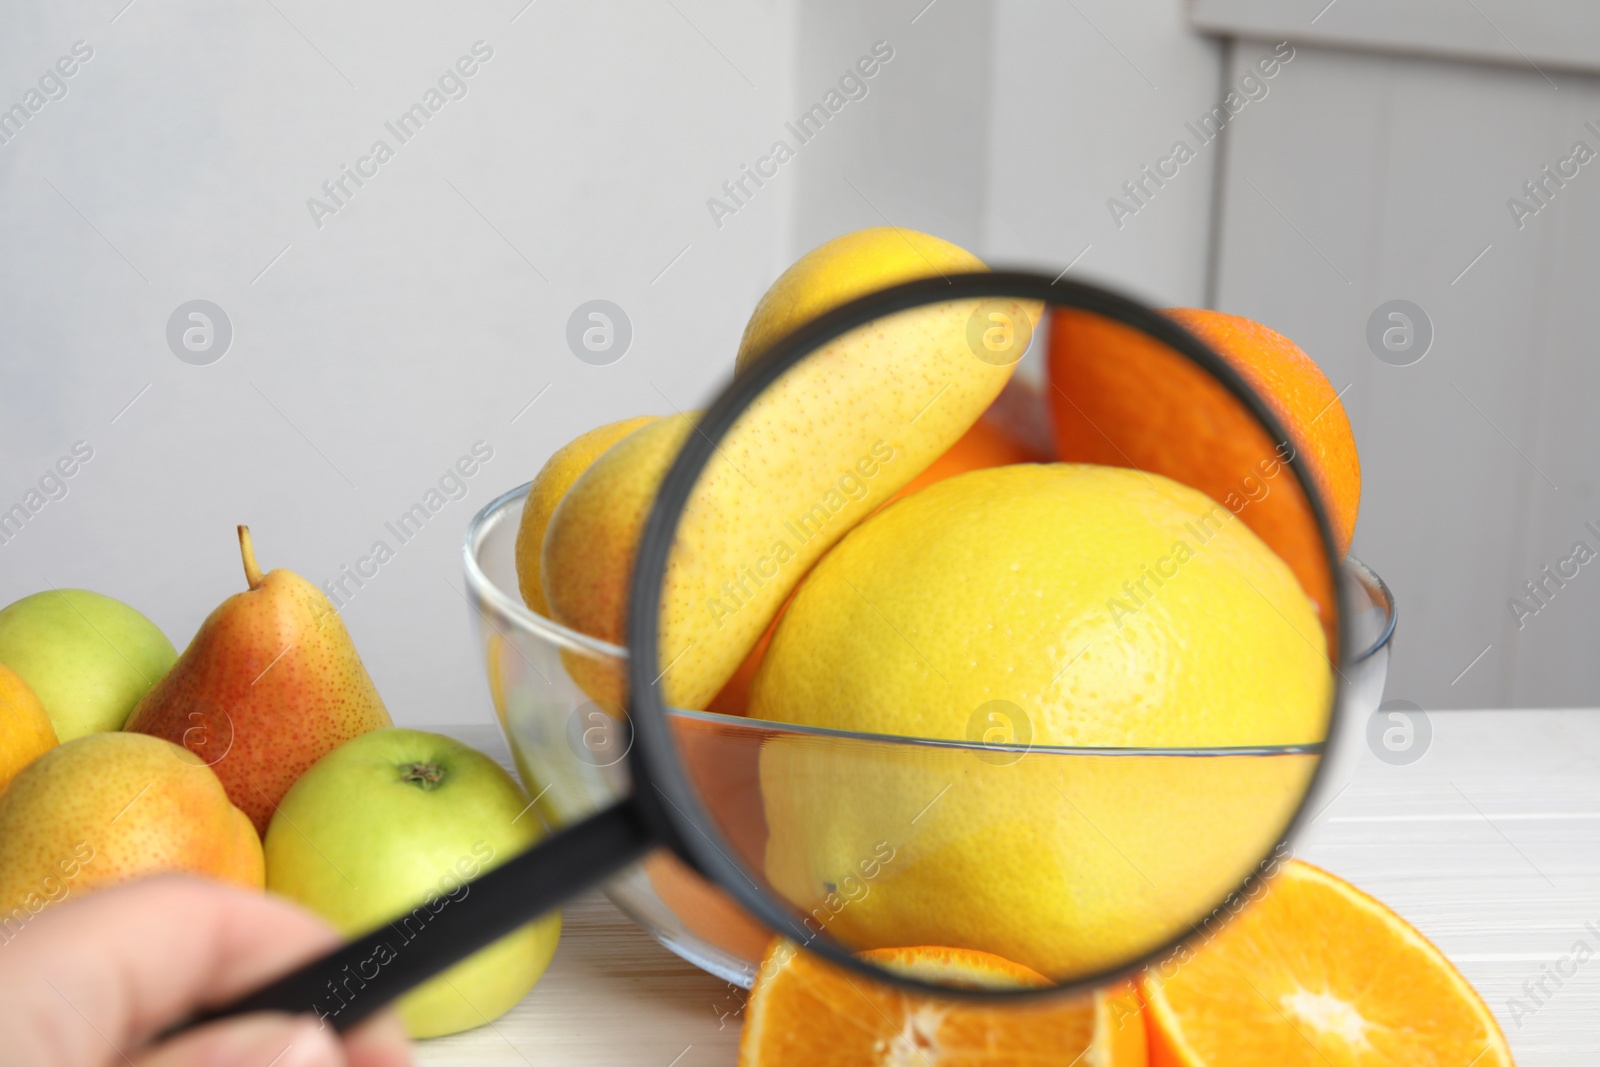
{"x": 1112, "y": 606}
{"x": 1051, "y": 605}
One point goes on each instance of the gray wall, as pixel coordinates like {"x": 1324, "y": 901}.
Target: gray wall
{"x": 424, "y": 316}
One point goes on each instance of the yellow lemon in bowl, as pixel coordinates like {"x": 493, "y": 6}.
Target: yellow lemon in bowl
{"x": 1019, "y": 609}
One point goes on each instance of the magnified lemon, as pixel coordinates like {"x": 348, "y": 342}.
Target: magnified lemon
{"x": 1029, "y": 606}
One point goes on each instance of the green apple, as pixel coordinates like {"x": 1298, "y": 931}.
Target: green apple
{"x": 88, "y": 657}
{"x": 392, "y": 824}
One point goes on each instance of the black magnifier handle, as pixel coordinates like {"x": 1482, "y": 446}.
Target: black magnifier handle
{"x": 350, "y": 983}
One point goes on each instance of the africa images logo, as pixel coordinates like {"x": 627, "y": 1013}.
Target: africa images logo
{"x": 452, "y": 85}
{"x": 852, "y": 85}
{"x": 1141, "y": 189}
{"x": 52, "y": 86}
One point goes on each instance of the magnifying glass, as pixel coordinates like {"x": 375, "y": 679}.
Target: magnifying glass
{"x": 1065, "y": 713}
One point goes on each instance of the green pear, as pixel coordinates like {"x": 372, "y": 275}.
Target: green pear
{"x": 89, "y": 658}
{"x": 389, "y": 828}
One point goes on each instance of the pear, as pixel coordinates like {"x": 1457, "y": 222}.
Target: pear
{"x": 270, "y": 684}
{"x": 108, "y": 808}
{"x": 546, "y": 491}
{"x": 88, "y": 658}
{"x": 838, "y": 271}
{"x": 819, "y": 451}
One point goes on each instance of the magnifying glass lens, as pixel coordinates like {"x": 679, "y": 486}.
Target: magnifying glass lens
{"x": 1017, "y": 623}
{"x": 988, "y": 612}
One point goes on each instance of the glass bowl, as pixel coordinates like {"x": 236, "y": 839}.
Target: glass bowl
{"x": 570, "y": 750}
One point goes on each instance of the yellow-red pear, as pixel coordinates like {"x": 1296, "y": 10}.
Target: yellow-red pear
{"x": 111, "y": 807}
{"x": 270, "y": 684}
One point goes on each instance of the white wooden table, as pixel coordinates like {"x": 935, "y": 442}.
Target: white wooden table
{"x": 1489, "y": 843}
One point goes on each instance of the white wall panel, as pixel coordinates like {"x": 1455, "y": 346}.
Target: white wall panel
{"x": 1085, "y": 95}
{"x": 1381, "y": 177}
{"x": 1007, "y": 125}
{"x": 379, "y": 347}
{"x": 912, "y": 152}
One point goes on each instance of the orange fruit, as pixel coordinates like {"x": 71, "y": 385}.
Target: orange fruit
{"x": 1316, "y": 973}
{"x": 1122, "y": 399}
{"x": 1297, "y": 391}
{"x": 705, "y": 910}
{"x": 805, "y": 1011}
{"x": 725, "y": 767}
{"x": 25, "y": 729}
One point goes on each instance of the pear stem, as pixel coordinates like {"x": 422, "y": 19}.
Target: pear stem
{"x": 252, "y": 573}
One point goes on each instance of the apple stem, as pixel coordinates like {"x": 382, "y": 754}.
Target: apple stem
{"x": 252, "y": 573}
{"x": 423, "y": 775}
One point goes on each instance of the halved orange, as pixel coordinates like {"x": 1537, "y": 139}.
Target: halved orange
{"x": 804, "y": 1011}
{"x": 1316, "y": 973}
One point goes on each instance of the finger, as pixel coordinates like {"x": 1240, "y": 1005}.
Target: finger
{"x": 118, "y": 965}
{"x": 251, "y": 1041}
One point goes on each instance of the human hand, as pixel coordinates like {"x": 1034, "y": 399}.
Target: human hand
{"x": 88, "y": 983}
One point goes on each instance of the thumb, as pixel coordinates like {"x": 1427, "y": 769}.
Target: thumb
{"x": 251, "y": 1041}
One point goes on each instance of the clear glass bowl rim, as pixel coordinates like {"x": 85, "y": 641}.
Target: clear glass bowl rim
{"x": 555, "y": 633}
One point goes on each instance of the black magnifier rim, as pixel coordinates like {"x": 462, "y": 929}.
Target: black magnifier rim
{"x": 662, "y": 784}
